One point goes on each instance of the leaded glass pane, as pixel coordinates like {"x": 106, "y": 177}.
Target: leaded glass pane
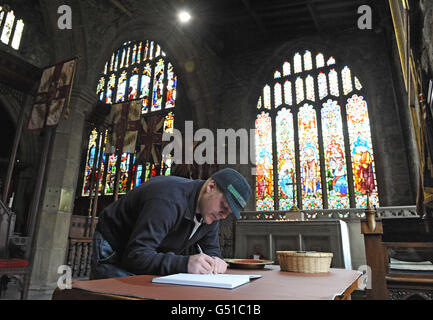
{"x": 309, "y": 158}
{"x": 358, "y": 85}
{"x": 7, "y": 28}
{"x": 347, "y": 80}
{"x": 145, "y": 87}
{"x": 121, "y": 88}
{"x": 277, "y": 74}
{"x": 17, "y": 34}
{"x": 286, "y": 68}
{"x": 288, "y": 93}
{"x": 267, "y": 96}
{"x": 90, "y": 159}
{"x": 297, "y": 63}
{"x": 361, "y": 149}
{"x": 278, "y": 94}
{"x": 286, "y": 159}
{"x": 322, "y": 83}
{"x": 158, "y": 85}
{"x": 299, "y": 84}
{"x": 333, "y": 83}
{"x": 335, "y": 159}
{"x": 264, "y": 160}
{"x": 320, "y": 60}
{"x": 110, "y": 89}
{"x": 308, "y": 63}
{"x": 133, "y": 85}
{"x": 171, "y": 87}
{"x": 309, "y": 86}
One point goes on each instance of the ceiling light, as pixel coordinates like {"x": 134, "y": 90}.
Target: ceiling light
{"x": 184, "y": 16}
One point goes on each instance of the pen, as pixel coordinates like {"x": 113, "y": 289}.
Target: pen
{"x": 201, "y": 251}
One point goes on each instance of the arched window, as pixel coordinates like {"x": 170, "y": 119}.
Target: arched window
{"x": 313, "y": 140}
{"x": 138, "y": 71}
{"x": 11, "y": 28}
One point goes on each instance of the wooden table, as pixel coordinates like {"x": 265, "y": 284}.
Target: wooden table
{"x": 273, "y": 285}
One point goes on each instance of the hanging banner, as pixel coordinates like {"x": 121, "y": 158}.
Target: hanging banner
{"x": 53, "y": 95}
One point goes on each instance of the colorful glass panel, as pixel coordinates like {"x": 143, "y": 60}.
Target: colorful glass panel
{"x": 286, "y": 68}
{"x": 110, "y": 89}
{"x": 116, "y": 61}
{"x": 330, "y": 61}
{"x": 16, "y": 40}
{"x": 7, "y": 28}
{"x": 90, "y": 159}
{"x": 151, "y": 50}
{"x": 100, "y": 88}
{"x": 335, "y": 159}
{"x": 121, "y": 88}
{"x": 128, "y": 55}
{"x": 111, "y": 174}
{"x": 309, "y": 88}
{"x": 288, "y": 93}
{"x": 320, "y": 60}
{"x": 308, "y": 62}
{"x": 286, "y": 159}
{"x": 158, "y": 85}
{"x": 140, "y": 47}
{"x": 333, "y": 83}
{"x": 309, "y": 158}
{"x": 124, "y": 172}
{"x": 171, "y": 87}
{"x": 278, "y": 94}
{"x": 361, "y": 149}
{"x": 134, "y": 55}
{"x": 259, "y": 103}
{"x": 358, "y": 85}
{"x": 322, "y": 83}
{"x": 133, "y": 85}
{"x": 297, "y": 63}
{"x": 299, "y": 84}
{"x": 277, "y": 74}
{"x": 267, "y": 96}
{"x": 347, "y": 80}
{"x": 264, "y": 161}
{"x": 145, "y": 87}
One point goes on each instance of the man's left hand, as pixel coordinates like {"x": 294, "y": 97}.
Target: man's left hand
{"x": 220, "y": 266}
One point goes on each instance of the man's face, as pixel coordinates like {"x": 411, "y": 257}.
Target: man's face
{"x": 213, "y": 205}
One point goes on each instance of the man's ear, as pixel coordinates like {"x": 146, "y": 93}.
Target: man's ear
{"x": 211, "y": 185}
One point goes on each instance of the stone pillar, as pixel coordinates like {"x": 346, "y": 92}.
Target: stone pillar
{"x": 56, "y": 204}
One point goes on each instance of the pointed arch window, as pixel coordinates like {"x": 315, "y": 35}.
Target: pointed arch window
{"x": 137, "y": 71}
{"x": 314, "y": 148}
{"x": 11, "y": 27}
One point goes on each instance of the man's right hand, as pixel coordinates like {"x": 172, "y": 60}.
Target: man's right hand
{"x": 200, "y": 263}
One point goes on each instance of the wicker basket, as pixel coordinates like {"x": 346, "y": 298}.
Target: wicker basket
{"x": 304, "y": 261}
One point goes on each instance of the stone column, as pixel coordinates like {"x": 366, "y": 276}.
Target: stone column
{"x": 56, "y": 204}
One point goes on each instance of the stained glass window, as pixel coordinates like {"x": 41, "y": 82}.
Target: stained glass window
{"x": 308, "y": 63}
{"x": 286, "y": 68}
{"x": 11, "y": 28}
{"x": 329, "y": 134}
{"x": 286, "y": 159}
{"x": 277, "y": 74}
{"x": 361, "y": 149}
{"x": 347, "y": 80}
{"x": 264, "y": 160}
{"x": 278, "y": 94}
{"x": 138, "y": 70}
{"x": 309, "y": 158}
{"x": 320, "y": 60}
{"x": 267, "y": 96}
{"x": 287, "y": 92}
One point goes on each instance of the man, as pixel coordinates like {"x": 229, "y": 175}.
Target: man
{"x": 148, "y": 230}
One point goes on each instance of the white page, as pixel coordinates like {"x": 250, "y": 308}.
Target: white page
{"x": 227, "y": 281}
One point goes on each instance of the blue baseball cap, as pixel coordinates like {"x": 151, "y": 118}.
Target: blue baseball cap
{"x": 235, "y": 188}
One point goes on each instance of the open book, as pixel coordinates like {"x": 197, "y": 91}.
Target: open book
{"x": 227, "y": 281}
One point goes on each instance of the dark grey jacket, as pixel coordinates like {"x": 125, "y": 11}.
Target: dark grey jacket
{"x": 149, "y": 227}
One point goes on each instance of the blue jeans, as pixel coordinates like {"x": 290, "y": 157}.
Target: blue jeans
{"x": 104, "y": 262}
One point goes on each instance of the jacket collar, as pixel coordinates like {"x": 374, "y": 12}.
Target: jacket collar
{"x": 193, "y": 197}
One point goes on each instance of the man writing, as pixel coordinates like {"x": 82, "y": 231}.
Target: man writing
{"x": 149, "y": 229}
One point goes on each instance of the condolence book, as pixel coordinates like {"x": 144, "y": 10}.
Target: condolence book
{"x": 226, "y": 281}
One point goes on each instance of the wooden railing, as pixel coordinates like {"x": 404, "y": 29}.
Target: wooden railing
{"x": 78, "y": 256}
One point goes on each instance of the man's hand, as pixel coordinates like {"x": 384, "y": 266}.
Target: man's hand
{"x": 220, "y": 266}
{"x": 200, "y": 263}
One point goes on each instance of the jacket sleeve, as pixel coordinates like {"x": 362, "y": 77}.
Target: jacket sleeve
{"x": 155, "y": 221}
{"x": 210, "y": 242}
